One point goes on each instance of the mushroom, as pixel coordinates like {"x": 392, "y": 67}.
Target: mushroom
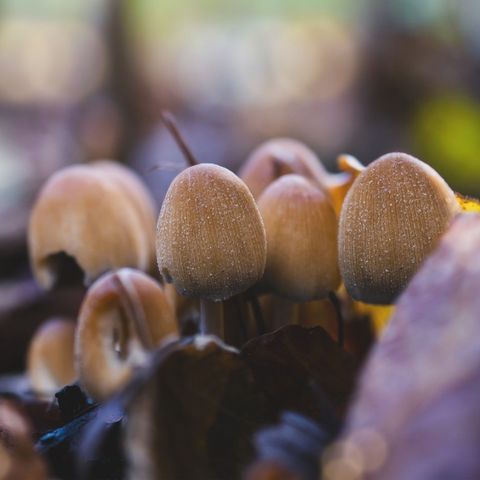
{"x": 277, "y": 157}
{"x": 50, "y": 363}
{"x": 392, "y": 218}
{"x": 211, "y": 240}
{"x": 283, "y": 156}
{"x": 301, "y": 228}
{"x": 92, "y": 216}
{"x": 140, "y": 197}
{"x": 210, "y": 237}
{"x": 124, "y": 316}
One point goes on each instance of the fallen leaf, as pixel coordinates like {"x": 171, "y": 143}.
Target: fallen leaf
{"x": 304, "y": 370}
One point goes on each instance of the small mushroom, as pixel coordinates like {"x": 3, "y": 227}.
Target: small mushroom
{"x": 392, "y": 218}
{"x": 301, "y": 227}
{"x": 125, "y": 315}
{"x": 283, "y": 156}
{"x": 50, "y": 363}
{"x": 90, "y": 216}
{"x": 277, "y": 157}
{"x": 210, "y": 236}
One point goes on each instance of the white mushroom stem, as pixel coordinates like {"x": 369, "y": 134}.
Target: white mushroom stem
{"x": 211, "y": 318}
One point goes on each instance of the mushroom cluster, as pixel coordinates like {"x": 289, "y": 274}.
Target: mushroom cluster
{"x": 284, "y": 234}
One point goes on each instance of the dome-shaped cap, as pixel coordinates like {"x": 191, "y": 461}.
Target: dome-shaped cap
{"x": 279, "y": 156}
{"x": 301, "y": 228}
{"x": 210, "y": 236}
{"x": 392, "y": 218}
{"x": 85, "y": 213}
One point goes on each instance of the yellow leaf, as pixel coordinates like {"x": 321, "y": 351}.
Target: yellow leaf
{"x": 379, "y": 315}
{"x": 468, "y": 204}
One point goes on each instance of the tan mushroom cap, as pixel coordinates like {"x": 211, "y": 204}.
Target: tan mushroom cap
{"x": 125, "y": 314}
{"x": 50, "y": 363}
{"x": 138, "y": 194}
{"x": 391, "y": 220}
{"x": 301, "y": 228}
{"x": 85, "y": 213}
{"x": 261, "y": 167}
{"x": 210, "y": 236}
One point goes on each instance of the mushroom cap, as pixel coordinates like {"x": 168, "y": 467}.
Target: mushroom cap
{"x": 86, "y": 214}
{"x": 210, "y": 236}
{"x": 50, "y": 363}
{"x": 391, "y": 220}
{"x": 260, "y": 168}
{"x": 139, "y": 196}
{"x": 125, "y": 309}
{"x": 301, "y": 228}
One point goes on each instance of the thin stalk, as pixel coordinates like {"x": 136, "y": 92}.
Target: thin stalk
{"x": 211, "y": 318}
{"x": 340, "y": 323}
{"x": 169, "y": 121}
{"x": 258, "y": 315}
{"x": 133, "y": 309}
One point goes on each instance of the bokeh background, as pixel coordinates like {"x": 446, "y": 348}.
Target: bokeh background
{"x": 87, "y": 79}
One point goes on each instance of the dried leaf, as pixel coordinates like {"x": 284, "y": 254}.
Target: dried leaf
{"x": 191, "y": 415}
{"x": 304, "y": 370}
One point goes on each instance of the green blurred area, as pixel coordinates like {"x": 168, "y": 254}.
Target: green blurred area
{"x": 447, "y": 134}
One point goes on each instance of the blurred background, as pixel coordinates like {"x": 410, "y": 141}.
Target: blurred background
{"x": 86, "y": 79}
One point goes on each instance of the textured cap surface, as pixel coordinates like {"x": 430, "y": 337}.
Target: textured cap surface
{"x": 392, "y": 218}
{"x": 301, "y": 228}
{"x": 210, "y": 236}
{"x": 87, "y": 215}
{"x": 261, "y": 167}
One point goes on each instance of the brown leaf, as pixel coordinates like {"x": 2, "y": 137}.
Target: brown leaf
{"x": 195, "y": 415}
{"x": 304, "y": 370}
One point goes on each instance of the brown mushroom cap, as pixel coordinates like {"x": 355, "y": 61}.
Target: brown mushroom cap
{"x": 210, "y": 236}
{"x": 392, "y": 218}
{"x": 261, "y": 167}
{"x": 88, "y": 216}
{"x": 301, "y": 228}
{"x": 124, "y": 315}
{"x": 50, "y": 363}
{"x": 138, "y": 194}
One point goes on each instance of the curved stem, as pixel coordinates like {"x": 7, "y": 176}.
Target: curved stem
{"x": 258, "y": 315}
{"x": 133, "y": 309}
{"x": 341, "y": 325}
{"x": 169, "y": 121}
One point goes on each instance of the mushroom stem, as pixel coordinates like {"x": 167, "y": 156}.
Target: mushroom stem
{"x": 341, "y": 325}
{"x": 211, "y": 318}
{"x": 169, "y": 121}
{"x": 258, "y": 315}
